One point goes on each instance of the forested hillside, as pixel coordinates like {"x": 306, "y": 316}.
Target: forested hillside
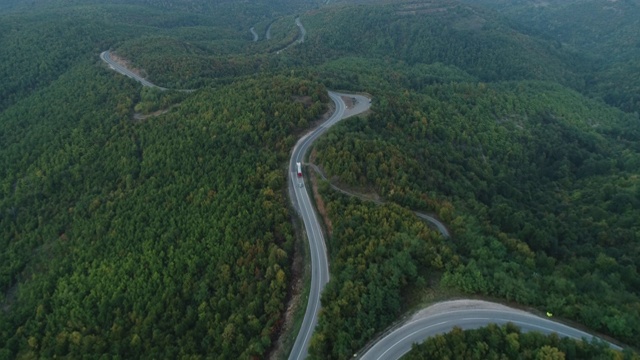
{"x": 538, "y": 183}
{"x": 166, "y": 237}
{"x": 177, "y": 44}
{"x": 205, "y": 54}
{"x": 40, "y": 46}
{"x": 374, "y": 267}
{"x": 234, "y": 9}
{"x": 608, "y": 31}
{"x": 534, "y": 172}
{"x": 138, "y": 223}
{"x": 163, "y": 237}
{"x": 605, "y": 29}
{"x": 508, "y": 342}
{"x": 447, "y": 32}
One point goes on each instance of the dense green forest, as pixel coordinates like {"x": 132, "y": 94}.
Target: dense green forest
{"x": 170, "y": 235}
{"x": 373, "y": 266}
{"x": 471, "y": 39}
{"x": 589, "y": 45}
{"x": 538, "y": 182}
{"x": 508, "y": 342}
{"x": 234, "y": 10}
{"x": 166, "y": 237}
{"x": 197, "y": 56}
{"x": 607, "y": 31}
{"x": 194, "y": 45}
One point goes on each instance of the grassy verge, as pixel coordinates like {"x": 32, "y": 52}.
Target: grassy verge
{"x": 298, "y": 302}
{"x": 289, "y": 336}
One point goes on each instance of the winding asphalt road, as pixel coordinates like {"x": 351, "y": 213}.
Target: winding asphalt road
{"x": 254, "y": 33}
{"x": 442, "y": 229}
{"x": 303, "y": 31}
{"x": 267, "y": 34}
{"x": 440, "y": 226}
{"x": 399, "y": 341}
{"x": 466, "y": 314}
{"x": 301, "y": 200}
{"x": 106, "y": 57}
{"x": 299, "y": 40}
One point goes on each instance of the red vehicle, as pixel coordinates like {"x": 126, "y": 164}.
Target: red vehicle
{"x": 299, "y": 169}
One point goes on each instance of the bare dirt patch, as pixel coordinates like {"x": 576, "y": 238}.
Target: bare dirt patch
{"x": 295, "y": 291}
{"x": 349, "y": 101}
{"x": 306, "y": 101}
{"x": 421, "y": 11}
{"x": 463, "y": 304}
{"x": 140, "y": 116}
{"x": 471, "y": 23}
{"x": 422, "y": 8}
{"x": 137, "y": 117}
{"x": 127, "y": 64}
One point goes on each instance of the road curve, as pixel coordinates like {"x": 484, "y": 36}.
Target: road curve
{"x": 299, "y": 40}
{"x": 303, "y": 31}
{"x": 398, "y": 342}
{"x": 254, "y": 33}
{"x": 106, "y": 57}
{"x": 437, "y": 223}
{"x": 466, "y": 314}
{"x": 438, "y": 319}
{"x": 267, "y": 34}
{"x": 302, "y": 202}
{"x": 442, "y": 229}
